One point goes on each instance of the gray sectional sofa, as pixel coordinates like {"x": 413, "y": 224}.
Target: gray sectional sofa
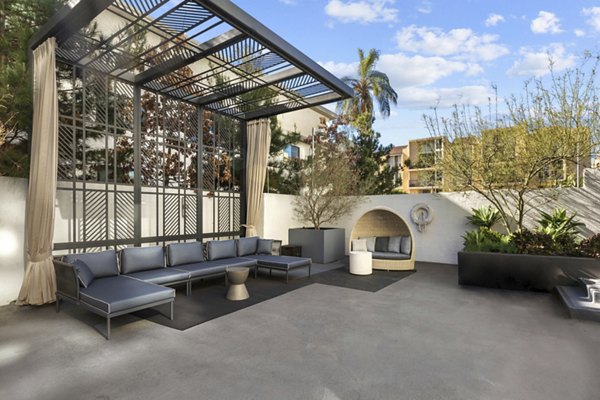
{"x": 95, "y": 281}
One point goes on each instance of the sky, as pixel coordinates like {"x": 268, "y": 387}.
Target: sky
{"x": 437, "y": 53}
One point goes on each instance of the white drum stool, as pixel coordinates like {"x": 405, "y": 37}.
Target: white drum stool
{"x": 361, "y": 263}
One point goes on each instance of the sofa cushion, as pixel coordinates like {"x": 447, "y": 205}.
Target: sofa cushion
{"x": 265, "y": 246}
{"x": 205, "y": 268}
{"x": 135, "y": 259}
{"x": 161, "y": 276}
{"x": 247, "y": 246}
{"x": 281, "y": 262}
{"x": 184, "y": 253}
{"x": 120, "y": 293}
{"x": 84, "y": 274}
{"x": 359, "y": 245}
{"x": 394, "y": 244}
{"x": 102, "y": 263}
{"x": 218, "y": 249}
{"x": 381, "y": 243}
{"x": 370, "y": 243}
{"x": 406, "y": 245}
{"x": 386, "y": 255}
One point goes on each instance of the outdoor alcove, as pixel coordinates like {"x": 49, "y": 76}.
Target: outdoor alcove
{"x": 383, "y": 222}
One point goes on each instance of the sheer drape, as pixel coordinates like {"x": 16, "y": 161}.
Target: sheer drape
{"x": 259, "y": 141}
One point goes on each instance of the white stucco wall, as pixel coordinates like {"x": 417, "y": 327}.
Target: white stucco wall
{"x": 13, "y": 192}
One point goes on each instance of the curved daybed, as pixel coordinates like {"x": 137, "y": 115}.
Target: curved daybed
{"x": 381, "y": 223}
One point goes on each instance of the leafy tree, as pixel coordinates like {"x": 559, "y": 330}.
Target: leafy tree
{"x": 283, "y": 172}
{"x": 506, "y": 159}
{"x": 19, "y": 20}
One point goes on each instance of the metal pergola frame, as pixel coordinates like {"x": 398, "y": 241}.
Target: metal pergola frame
{"x": 208, "y": 54}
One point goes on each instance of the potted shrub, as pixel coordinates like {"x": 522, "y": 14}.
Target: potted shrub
{"x": 329, "y": 190}
{"x": 531, "y": 260}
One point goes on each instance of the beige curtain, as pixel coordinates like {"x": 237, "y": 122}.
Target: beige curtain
{"x": 39, "y": 284}
{"x": 259, "y": 140}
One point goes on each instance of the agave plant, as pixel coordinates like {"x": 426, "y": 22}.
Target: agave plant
{"x": 484, "y": 217}
{"x": 559, "y": 224}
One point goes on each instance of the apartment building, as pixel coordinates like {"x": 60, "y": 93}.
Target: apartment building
{"x": 306, "y": 122}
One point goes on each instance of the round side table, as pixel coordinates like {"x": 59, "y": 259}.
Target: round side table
{"x": 236, "y": 276}
{"x": 361, "y": 263}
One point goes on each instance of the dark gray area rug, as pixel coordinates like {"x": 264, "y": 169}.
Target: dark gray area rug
{"x": 208, "y": 297}
{"x": 370, "y": 283}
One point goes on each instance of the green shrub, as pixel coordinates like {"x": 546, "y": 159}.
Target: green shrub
{"x": 558, "y": 224}
{"x": 590, "y": 247}
{"x": 484, "y": 217}
{"x": 541, "y": 243}
{"x": 487, "y": 240}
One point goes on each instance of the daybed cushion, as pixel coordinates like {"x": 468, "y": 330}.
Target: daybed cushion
{"x": 214, "y": 267}
{"x": 161, "y": 276}
{"x": 381, "y": 243}
{"x": 265, "y": 246}
{"x": 386, "y": 255}
{"x": 119, "y": 293}
{"x": 370, "y": 243}
{"x": 84, "y": 274}
{"x": 219, "y": 249}
{"x": 184, "y": 253}
{"x": 281, "y": 262}
{"x": 246, "y": 246}
{"x": 359, "y": 245}
{"x": 136, "y": 259}
{"x": 406, "y": 245}
{"x": 101, "y": 263}
{"x": 394, "y": 244}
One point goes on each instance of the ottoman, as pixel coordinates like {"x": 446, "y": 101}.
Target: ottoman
{"x": 361, "y": 263}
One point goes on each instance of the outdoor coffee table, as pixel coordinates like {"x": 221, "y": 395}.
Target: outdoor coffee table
{"x": 236, "y": 276}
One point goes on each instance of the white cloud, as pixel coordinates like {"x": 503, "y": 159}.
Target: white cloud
{"x": 425, "y": 7}
{"x": 593, "y": 14}
{"x": 462, "y": 43}
{"x": 289, "y": 2}
{"x": 419, "y": 98}
{"x": 537, "y": 63}
{"x": 494, "y": 19}
{"x": 579, "y": 32}
{"x": 546, "y": 22}
{"x": 362, "y": 11}
{"x": 340, "y": 70}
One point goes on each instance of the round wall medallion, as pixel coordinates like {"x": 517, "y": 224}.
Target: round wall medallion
{"x": 421, "y": 216}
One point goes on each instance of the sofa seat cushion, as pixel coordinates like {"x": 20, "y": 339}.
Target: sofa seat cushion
{"x": 101, "y": 263}
{"x": 135, "y": 259}
{"x": 205, "y": 268}
{"x": 184, "y": 253}
{"x": 161, "y": 276}
{"x": 121, "y": 293}
{"x": 242, "y": 262}
{"x": 385, "y": 255}
{"x": 281, "y": 262}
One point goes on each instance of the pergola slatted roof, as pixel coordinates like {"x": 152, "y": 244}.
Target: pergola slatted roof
{"x": 205, "y": 52}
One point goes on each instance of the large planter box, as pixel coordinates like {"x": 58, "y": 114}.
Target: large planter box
{"x": 523, "y": 271}
{"x": 324, "y": 245}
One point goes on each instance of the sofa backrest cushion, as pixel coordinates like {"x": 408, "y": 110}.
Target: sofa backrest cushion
{"x": 381, "y": 243}
{"x": 84, "y": 274}
{"x": 184, "y": 253}
{"x": 394, "y": 244}
{"x": 218, "y": 249}
{"x": 265, "y": 246}
{"x": 101, "y": 263}
{"x": 136, "y": 259}
{"x": 406, "y": 245}
{"x": 247, "y": 246}
{"x": 359, "y": 245}
{"x": 370, "y": 243}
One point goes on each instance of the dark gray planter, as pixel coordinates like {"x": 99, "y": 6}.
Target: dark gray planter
{"x": 523, "y": 271}
{"x": 323, "y": 245}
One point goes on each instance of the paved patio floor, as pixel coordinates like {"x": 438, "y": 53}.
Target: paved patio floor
{"x": 423, "y": 337}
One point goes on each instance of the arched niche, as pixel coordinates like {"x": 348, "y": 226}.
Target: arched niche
{"x": 384, "y": 222}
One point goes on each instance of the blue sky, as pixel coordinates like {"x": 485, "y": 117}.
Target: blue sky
{"x": 440, "y": 52}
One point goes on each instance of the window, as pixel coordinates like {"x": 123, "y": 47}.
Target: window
{"x": 292, "y": 151}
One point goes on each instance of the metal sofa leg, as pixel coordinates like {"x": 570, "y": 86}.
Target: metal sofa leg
{"x": 171, "y": 316}
{"x": 309, "y": 266}
{"x": 57, "y": 304}
{"x": 188, "y": 288}
{"x": 107, "y": 328}
{"x": 287, "y": 273}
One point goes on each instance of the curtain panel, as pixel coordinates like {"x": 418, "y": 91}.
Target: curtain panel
{"x": 259, "y": 141}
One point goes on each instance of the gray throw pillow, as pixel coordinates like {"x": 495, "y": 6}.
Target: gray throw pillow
{"x": 247, "y": 246}
{"x": 101, "y": 263}
{"x": 265, "y": 246}
{"x": 406, "y": 245}
{"x": 370, "y": 243}
{"x": 84, "y": 274}
{"x": 218, "y": 249}
{"x": 381, "y": 244}
{"x": 394, "y": 244}
{"x": 359, "y": 245}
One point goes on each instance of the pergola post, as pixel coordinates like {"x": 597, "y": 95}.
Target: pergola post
{"x": 137, "y": 166}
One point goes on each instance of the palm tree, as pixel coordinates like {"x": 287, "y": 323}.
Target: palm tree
{"x": 369, "y": 84}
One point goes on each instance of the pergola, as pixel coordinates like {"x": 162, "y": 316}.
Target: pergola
{"x": 136, "y": 82}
